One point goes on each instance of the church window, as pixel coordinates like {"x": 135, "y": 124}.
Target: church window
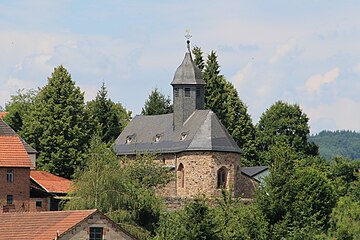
{"x": 176, "y": 90}
{"x": 187, "y": 92}
{"x": 198, "y": 92}
{"x": 181, "y": 176}
{"x": 221, "y": 177}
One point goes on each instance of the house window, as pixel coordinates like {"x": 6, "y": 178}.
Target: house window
{"x": 187, "y": 92}
{"x": 198, "y": 92}
{"x": 9, "y": 199}
{"x": 221, "y": 177}
{"x": 38, "y": 203}
{"x": 181, "y": 176}
{"x": 10, "y": 175}
{"x": 176, "y": 92}
{"x": 96, "y": 233}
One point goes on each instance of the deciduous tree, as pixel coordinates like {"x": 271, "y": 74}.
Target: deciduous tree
{"x": 18, "y": 107}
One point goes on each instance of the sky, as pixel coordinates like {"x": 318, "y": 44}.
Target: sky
{"x": 300, "y": 52}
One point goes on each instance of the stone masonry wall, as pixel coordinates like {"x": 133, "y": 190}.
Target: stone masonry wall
{"x": 81, "y": 231}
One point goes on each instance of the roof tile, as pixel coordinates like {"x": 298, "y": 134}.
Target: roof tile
{"x": 13, "y": 153}
{"x": 50, "y": 182}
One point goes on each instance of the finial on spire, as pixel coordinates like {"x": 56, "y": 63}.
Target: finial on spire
{"x": 188, "y": 36}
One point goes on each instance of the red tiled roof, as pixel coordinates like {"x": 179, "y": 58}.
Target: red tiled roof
{"x": 40, "y": 225}
{"x": 13, "y": 153}
{"x": 50, "y": 182}
{"x": 3, "y": 114}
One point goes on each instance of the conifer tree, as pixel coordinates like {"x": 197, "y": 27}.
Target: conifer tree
{"x": 223, "y": 99}
{"x": 57, "y": 126}
{"x": 104, "y": 113}
{"x": 198, "y": 60}
{"x": 156, "y": 104}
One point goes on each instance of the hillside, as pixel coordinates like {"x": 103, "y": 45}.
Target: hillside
{"x": 345, "y": 143}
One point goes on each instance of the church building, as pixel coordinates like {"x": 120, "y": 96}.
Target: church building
{"x": 191, "y": 141}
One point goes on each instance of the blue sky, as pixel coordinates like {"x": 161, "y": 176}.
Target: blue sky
{"x": 304, "y": 52}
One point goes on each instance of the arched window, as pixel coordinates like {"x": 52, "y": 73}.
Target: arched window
{"x": 221, "y": 177}
{"x": 181, "y": 177}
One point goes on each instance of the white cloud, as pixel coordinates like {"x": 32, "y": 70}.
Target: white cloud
{"x": 341, "y": 114}
{"x": 244, "y": 75}
{"x": 282, "y": 51}
{"x": 313, "y": 84}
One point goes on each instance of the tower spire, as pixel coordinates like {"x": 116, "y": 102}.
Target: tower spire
{"x": 188, "y": 36}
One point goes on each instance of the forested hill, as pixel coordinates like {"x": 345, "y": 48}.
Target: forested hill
{"x": 345, "y": 143}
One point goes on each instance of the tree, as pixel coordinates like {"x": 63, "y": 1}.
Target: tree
{"x": 191, "y": 223}
{"x": 223, "y": 99}
{"x": 111, "y": 118}
{"x": 198, "y": 60}
{"x": 156, "y": 104}
{"x": 18, "y": 107}
{"x": 286, "y": 123}
{"x": 239, "y": 124}
{"x": 125, "y": 190}
{"x": 296, "y": 202}
{"x": 57, "y": 126}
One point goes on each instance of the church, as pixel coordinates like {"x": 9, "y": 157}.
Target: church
{"x": 191, "y": 141}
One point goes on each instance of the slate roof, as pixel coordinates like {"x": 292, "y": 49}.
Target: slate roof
{"x": 253, "y": 171}
{"x": 6, "y": 130}
{"x": 50, "y": 182}
{"x": 43, "y": 225}
{"x": 203, "y": 131}
{"x": 13, "y": 153}
{"x": 188, "y": 72}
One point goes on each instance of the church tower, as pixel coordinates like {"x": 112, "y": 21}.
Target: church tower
{"x": 188, "y": 90}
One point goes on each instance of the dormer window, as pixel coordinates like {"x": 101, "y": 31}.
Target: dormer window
{"x": 129, "y": 138}
{"x": 183, "y": 136}
{"x": 157, "y": 137}
{"x": 187, "y": 92}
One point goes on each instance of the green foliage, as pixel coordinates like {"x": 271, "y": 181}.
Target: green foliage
{"x": 285, "y": 123}
{"x": 57, "y": 125}
{"x": 156, "y": 104}
{"x": 191, "y": 223}
{"x": 198, "y": 60}
{"x": 223, "y": 99}
{"x": 125, "y": 192}
{"x": 19, "y": 106}
{"x": 338, "y": 143}
{"x": 342, "y": 174}
{"x": 345, "y": 220}
{"x": 296, "y": 202}
{"x": 109, "y": 117}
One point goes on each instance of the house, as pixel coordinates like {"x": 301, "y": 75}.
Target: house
{"x": 22, "y": 187}
{"x": 47, "y": 190}
{"x": 251, "y": 177}
{"x": 15, "y": 166}
{"x": 60, "y": 225}
{"x": 191, "y": 141}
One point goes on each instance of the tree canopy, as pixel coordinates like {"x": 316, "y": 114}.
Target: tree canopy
{"x": 109, "y": 117}
{"x": 286, "y": 123}
{"x": 57, "y": 125}
{"x": 18, "y": 107}
{"x": 156, "y": 104}
{"x": 223, "y": 99}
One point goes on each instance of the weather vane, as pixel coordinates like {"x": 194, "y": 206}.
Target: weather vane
{"x": 188, "y": 36}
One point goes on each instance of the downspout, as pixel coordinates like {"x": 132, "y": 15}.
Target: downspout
{"x": 175, "y": 172}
